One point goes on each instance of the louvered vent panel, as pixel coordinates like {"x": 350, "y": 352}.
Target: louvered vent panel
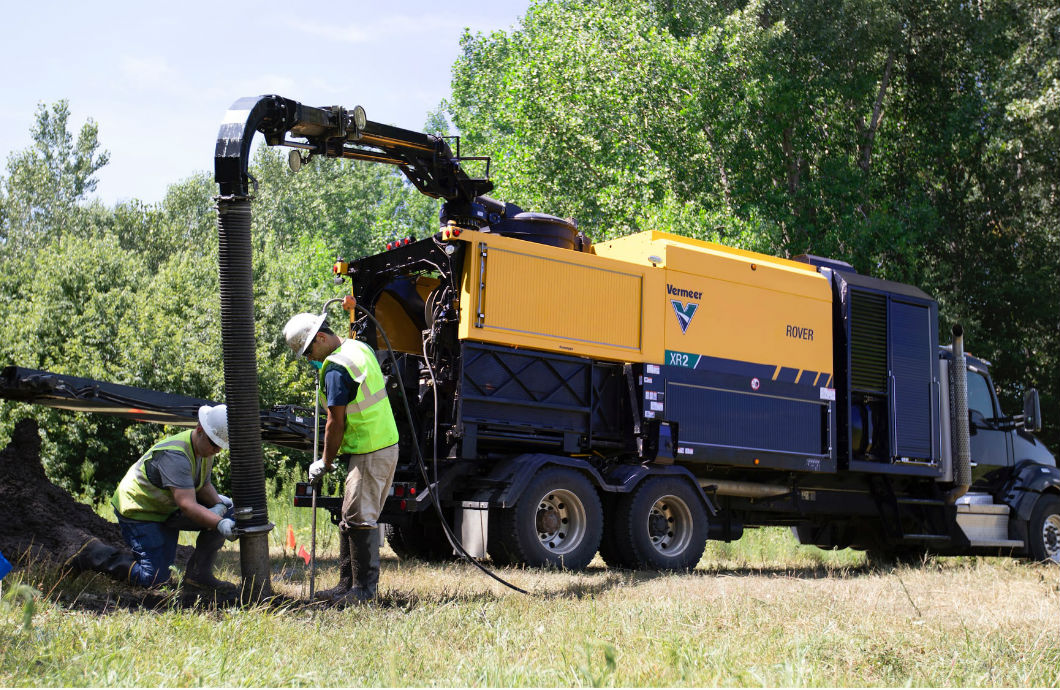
{"x": 868, "y": 341}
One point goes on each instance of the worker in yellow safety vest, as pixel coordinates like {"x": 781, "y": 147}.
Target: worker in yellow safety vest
{"x": 360, "y": 432}
{"x": 169, "y": 489}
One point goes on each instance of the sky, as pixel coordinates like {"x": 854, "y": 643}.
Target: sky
{"x": 158, "y": 81}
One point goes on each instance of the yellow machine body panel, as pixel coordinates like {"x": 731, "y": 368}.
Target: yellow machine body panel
{"x": 641, "y": 297}
{"x": 733, "y": 304}
{"x": 525, "y": 294}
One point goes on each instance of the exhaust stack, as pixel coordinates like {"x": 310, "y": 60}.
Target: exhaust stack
{"x": 962, "y": 457}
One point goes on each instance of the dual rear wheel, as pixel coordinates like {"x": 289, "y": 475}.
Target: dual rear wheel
{"x": 560, "y": 521}
{"x": 557, "y": 522}
{"x": 661, "y": 525}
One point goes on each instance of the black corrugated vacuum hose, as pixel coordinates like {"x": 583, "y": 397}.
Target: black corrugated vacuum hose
{"x": 241, "y": 390}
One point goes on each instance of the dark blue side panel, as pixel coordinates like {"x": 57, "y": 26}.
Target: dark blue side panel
{"x": 914, "y": 372}
{"x": 711, "y": 417}
{"x": 743, "y": 414}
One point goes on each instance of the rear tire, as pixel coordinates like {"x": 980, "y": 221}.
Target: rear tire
{"x": 1043, "y": 530}
{"x": 556, "y": 523}
{"x": 662, "y": 525}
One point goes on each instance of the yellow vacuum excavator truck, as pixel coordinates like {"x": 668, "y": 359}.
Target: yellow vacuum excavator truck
{"x": 635, "y": 397}
{"x": 639, "y": 396}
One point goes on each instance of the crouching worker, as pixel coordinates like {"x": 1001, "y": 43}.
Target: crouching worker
{"x": 168, "y": 490}
{"x": 360, "y": 432}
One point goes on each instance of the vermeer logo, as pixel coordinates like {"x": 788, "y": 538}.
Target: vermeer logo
{"x": 684, "y": 312}
{"x": 679, "y": 292}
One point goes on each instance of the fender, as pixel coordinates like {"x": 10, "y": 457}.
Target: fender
{"x": 512, "y": 475}
{"x": 1029, "y": 480}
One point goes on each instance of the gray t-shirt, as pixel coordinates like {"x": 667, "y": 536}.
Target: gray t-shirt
{"x": 170, "y": 469}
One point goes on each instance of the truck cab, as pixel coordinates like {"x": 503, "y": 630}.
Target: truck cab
{"x": 997, "y": 443}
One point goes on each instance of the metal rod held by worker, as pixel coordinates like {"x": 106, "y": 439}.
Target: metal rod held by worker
{"x": 313, "y": 488}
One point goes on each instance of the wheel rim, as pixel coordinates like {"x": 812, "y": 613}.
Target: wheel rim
{"x": 670, "y": 526}
{"x": 1051, "y": 537}
{"x": 561, "y": 521}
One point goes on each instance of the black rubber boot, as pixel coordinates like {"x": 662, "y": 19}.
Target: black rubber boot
{"x": 364, "y": 549}
{"x": 345, "y": 573}
{"x": 199, "y": 571}
{"x": 98, "y": 557}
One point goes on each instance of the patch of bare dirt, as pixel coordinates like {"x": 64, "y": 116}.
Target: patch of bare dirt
{"x": 38, "y": 520}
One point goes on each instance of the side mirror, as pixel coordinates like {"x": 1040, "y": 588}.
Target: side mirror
{"x": 1032, "y": 411}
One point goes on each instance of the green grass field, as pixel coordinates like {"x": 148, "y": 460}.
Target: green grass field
{"x": 762, "y": 611}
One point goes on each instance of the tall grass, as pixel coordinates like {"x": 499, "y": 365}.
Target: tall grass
{"x": 761, "y": 611}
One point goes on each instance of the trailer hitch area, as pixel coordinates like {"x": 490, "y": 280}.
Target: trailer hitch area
{"x": 303, "y": 498}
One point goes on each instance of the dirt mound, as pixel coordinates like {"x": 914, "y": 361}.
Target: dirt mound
{"x": 39, "y": 520}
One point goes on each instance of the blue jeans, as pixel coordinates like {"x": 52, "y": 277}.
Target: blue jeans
{"x": 155, "y": 545}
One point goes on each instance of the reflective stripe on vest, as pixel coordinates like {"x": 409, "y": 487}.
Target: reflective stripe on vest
{"x": 369, "y": 418}
{"x": 138, "y": 499}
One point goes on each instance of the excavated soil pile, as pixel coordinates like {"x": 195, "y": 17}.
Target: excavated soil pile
{"x": 38, "y": 520}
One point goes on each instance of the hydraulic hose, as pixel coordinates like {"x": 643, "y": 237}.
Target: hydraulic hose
{"x": 241, "y": 390}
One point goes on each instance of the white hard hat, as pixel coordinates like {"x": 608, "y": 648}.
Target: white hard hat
{"x": 214, "y": 421}
{"x": 300, "y": 330}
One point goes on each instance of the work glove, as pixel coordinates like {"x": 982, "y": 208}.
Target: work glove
{"x": 316, "y": 470}
{"x": 219, "y": 510}
{"x": 227, "y": 528}
{"x": 226, "y": 500}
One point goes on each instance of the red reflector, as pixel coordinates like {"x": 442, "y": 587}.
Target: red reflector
{"x": 412, "y": 491}
{"x": 456, "y": 232}
{"x": 408, "y": 240}
{"x": 404, "y": 504}
{"x": 388, "y": 246}
{"x": 399, "y": 491}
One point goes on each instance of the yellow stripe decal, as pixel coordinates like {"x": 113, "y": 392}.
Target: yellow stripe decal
{"x": 776, "y": 373}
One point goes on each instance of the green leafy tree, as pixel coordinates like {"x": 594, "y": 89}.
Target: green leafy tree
{"x": 47, "y": 181}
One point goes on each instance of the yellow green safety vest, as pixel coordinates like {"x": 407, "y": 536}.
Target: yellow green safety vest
{"x": 369, "y": 418}
{"x": 138, "y": 499}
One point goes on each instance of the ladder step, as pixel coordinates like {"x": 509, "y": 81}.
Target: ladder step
{"x": 998, "y": 543}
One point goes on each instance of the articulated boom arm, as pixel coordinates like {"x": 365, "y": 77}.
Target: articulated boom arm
{"x": 336, "y": 132}
{"x": 283, "y": 425}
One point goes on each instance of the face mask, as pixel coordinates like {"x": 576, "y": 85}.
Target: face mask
{"x": 315, "y": 364}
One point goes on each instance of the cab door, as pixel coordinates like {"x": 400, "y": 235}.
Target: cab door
{"x": 991, "y": 447}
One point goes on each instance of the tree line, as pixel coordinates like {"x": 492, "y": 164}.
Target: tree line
{"x": 918, "y": 142}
